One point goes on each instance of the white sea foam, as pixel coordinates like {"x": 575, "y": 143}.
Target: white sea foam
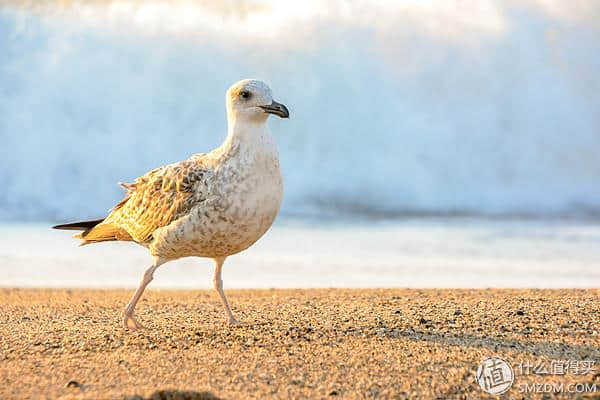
{"x": 409, "y": 106}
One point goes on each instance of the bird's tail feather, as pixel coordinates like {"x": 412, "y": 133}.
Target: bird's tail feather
{"x": 95, "y": 231}
{"x": 84, "y": 226}
{"x": 79, "y": 226}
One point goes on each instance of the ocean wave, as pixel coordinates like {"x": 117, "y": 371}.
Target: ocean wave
{"x": 405, "y": 108}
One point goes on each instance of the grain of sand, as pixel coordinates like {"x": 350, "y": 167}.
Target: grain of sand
{"x": 393, "y": 343}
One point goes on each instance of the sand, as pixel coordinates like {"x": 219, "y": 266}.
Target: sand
{"x": 297, "y": 344}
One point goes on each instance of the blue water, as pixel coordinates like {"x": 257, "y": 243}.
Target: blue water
{"x": 405, "y": 108}
{"x": 414, "y": 253}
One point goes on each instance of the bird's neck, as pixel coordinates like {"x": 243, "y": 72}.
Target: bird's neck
{"x": 247, "y": 138}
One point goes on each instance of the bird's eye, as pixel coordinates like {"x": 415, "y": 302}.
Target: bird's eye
{"x": 244, "y": 94}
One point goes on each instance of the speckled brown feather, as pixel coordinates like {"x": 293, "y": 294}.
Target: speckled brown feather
{"x": 153, "y": 201}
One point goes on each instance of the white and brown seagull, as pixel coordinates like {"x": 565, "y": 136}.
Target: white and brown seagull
{"x": 210, "y": 205}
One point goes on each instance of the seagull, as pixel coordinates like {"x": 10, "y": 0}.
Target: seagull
{"x": 211, "y": 205}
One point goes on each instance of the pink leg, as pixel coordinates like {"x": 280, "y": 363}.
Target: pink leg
{"x": 219, "y": 288}
{"x": 128, "y": 314}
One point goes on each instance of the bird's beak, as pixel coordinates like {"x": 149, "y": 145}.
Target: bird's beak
{"x": 276, "y": 108}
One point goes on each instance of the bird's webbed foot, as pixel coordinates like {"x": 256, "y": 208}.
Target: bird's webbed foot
{"x": 233, "y": 323}
{"x": 130, "y": 323}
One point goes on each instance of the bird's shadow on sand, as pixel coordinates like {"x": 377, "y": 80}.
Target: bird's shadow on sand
{"x": 551, "y": 350}
{"x": 175, "y": 395}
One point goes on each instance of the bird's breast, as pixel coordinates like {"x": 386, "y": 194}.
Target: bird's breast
{"x": 250, "y": 191}
{"x": 243, "y": 201}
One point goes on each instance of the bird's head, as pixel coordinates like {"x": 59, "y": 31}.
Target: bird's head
{"x": 251, "y": 100}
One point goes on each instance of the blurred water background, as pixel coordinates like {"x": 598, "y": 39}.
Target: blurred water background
{"x": 439, "y": 140}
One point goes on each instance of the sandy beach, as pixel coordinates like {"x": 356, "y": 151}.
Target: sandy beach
{"x": 392, "y": 343}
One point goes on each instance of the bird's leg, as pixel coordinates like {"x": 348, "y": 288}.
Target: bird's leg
{"x": 128, "y": 314}
{"x": 219, "y": 288}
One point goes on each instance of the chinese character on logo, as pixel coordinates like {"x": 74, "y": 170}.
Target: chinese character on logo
{"x": 587, "y": 366}
{"x": 540, "y": 368}
{"x": 559, "y": 367}
{"x": 495, "y": 376}
{"x": 577, "y": 367}
{"x": 526, "y": 367}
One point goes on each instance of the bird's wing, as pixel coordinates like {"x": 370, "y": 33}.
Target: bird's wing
{"x": 153, "y": 201}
